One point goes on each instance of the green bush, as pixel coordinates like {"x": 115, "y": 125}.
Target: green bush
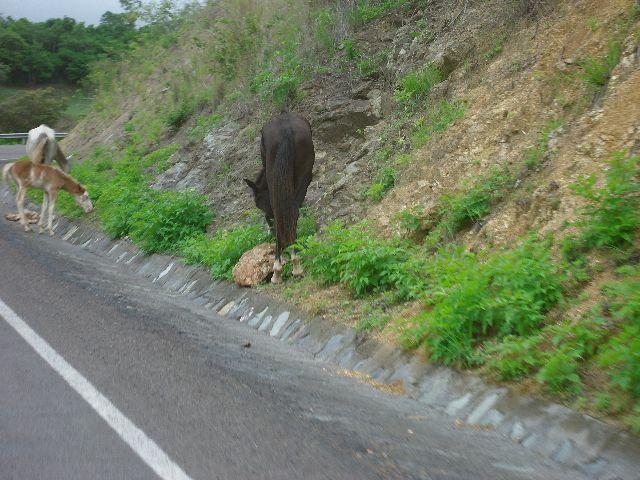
{"x": 415, "y": 86}
{"x": 472, "y": 298}
{"x": 621, "y": 354}
{"x": 222, "y": 251}
{"x": 166, "y": 218}
{"x": 324, "y": 29}
{"x": 280, "y": 83}
{"x": 203, "y": 125}
{"x": 612, "y": 215}
{"x": 356, "y": 258}
{"x": 514, "y": 357}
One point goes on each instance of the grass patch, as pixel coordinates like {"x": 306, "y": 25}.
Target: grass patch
{"x": 596, "y": 72}
{"x": 437, "y": 120}
{"x": 414, "y": 87}
{"x": 203, "y": 125}
{"x": 457, "y": 211}
{"x": 385, "y": 180}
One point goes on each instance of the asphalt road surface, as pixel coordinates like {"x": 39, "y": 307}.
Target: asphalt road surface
{"x": 11, "y": 152}
{"x": 104, "y": 376}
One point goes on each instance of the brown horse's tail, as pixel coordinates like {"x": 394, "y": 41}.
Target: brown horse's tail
{"x": 283, "y": 195}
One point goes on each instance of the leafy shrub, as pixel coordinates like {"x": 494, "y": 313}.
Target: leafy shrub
{"x": 622, "y": 352}
{"x": 415, "y": 86}
{"x": 222, "y": 251}
{"x": 385, "y": 180}
{"x": 560, "y": 373}
{"x": 280, "y": 84}
{"x": 473, "y": 298}
{"x": 373, "y": 322}
{"x": 612, "y": 215}
{"x": 166, "y": 218}
{"x": 355, "y": 257}
{"x": 514, "y": 357}
{"x": 159, "y": 158}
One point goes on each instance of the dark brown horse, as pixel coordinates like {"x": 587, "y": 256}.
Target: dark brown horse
{"x": 287, "y": 163}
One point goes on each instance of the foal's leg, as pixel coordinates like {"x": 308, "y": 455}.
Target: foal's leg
{"x": 22, "y": 191}
{"x": 297, "y": 268}
{"x": 43, "y": 210}
{"x": 52, "y": 203}
{"x": 277, "y": 266}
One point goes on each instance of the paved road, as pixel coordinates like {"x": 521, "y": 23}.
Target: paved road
{"x": 181, "y": 375}
{"x": 11, "y": 152}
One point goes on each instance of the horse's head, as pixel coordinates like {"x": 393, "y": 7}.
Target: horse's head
{"x": 83, "y": 201}
{"x": 261, "y": 197}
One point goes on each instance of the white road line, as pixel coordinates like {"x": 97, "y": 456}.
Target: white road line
{"x": 139, "y": 442}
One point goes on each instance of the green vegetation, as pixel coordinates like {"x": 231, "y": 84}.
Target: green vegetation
{"x": 495, "y": 47}
{"x": 534, "y": 155}
{"x": 497, "y": 309}
{"x": 26, "y": 108}
{"x": 60, "y": 49}
{"x": 222, "y": 251}
{"x": 597, "y": 71}
{"x": 368, "y": 10}
{"x": 491, "y": 295}
{"x": 436, "y": 120}
{"x": 414, "y": 87}
{"x": 156, "y": 220}
{"x": 385, "y": 180}
{"x": 457, "y": 211}
{"x": 612, "y": 214}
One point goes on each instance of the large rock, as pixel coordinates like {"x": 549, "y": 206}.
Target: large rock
{"x": 255, "y": 266}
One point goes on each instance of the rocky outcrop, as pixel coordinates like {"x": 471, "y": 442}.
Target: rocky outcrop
{"x": 255, "y": 266}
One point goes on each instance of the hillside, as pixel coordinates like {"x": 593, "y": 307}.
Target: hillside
{"x": 454, "y": 141}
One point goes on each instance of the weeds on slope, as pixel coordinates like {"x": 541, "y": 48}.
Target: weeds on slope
{"x": 491, "y": 309}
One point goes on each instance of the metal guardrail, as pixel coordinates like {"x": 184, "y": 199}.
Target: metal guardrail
{"x": 23, "y": 136}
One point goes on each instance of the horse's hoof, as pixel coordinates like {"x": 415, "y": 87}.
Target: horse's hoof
{"x": 298, "y": 272}
{"x": 27, "y": 229}
{"x": 276, "y": 280}
{"x": 51, "y": 233}
{"x": 41, "y": 231}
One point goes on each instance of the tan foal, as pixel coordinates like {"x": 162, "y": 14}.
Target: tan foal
{"x": 27, "y": 174}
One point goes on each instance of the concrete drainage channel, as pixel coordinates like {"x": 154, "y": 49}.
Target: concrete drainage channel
{"x": 599, "y": 450}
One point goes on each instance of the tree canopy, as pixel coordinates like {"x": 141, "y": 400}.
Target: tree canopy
{"x": 60, "y": 49}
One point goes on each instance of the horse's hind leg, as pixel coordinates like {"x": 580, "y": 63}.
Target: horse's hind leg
{"x": 277, "y": 266}
{"x": 297, "y": 268}
{"x": 22, "y": 191}
{"x": 52, "y": 204}
{"x": 43, "y": 211}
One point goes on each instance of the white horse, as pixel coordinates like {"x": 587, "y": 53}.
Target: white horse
{"x": 52, "y": 150}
